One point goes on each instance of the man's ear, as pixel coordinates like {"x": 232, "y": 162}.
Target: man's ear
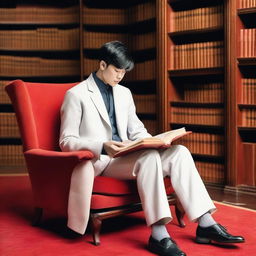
{"x": 103, "y": 65}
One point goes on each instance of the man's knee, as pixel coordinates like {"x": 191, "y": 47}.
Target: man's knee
{"x": 181, "y": 150}
{"x": 149, "y": 161}
{"x": 150, "y": 154}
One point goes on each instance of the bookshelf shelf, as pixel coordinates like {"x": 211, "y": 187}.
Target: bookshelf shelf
{"x": 196, "y": 104}
{"x": 247, "y": 61}
{"x": 38, "y": 24}
{"x": 46, "y": 79}
{"x": 10, "y": 141}
{"x": 7, "y": 108}
{"x": 199, "y": 127}
{"x": 248, "y": 134}
{"x": 187, "y": 4}
{"x": 148, "y": 116}
{"x": 138, "y": 55}
{"x": 33, "y": 77}
{"x": 44, "y": 54}
{"x": 134, "y": 27}
{"x": 247, "y": 129}
{"x": 196, "y": 72}
{"x": 246, "y": 11}
{"x": 196, "y": 32}
{"x": 248, "y": 106}
{"x": 208, "y": 158}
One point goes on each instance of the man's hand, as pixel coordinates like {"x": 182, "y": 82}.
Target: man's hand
{"x": 112, "y": 147}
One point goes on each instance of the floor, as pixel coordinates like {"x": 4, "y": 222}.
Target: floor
{"x": 242, "y": 200}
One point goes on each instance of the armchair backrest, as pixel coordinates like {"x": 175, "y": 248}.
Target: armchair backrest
{"x": 37, "y": 108}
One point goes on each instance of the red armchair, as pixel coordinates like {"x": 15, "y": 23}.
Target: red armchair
{"x": 37, "y": 107}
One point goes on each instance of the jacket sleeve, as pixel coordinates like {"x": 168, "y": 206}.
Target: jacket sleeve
{"x": 70, "y": 140}
{"x": 135, "y": 129}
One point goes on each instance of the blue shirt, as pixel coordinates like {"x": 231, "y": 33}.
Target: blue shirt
{"x": 107, "y": 95}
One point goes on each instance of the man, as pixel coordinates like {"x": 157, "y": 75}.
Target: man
{"x": 99, "y": 115}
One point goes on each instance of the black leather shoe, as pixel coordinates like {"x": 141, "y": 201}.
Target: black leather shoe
{"x": 216, "y": 233}
{"x": 165, "y": 247}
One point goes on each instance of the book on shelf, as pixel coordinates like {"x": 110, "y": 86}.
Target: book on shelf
{"x": 162, "y": 140}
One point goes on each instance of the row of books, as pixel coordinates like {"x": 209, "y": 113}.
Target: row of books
{"x": 196, "y": 55}
{"x": 36, "y": 66}
{"x": 136, "y": 13}
{"x": 248, "y": 90}
{"x": 43, "y": 14}
{"x": 200, "y": 18}
{"x": 142, "y": 71}
{"x": 248, "y": 42}
{"x": 142, "y": 11}
{"x": 94, "y": 40}
{"x": 249, "y": 117}
{"x": 247, "y": 3}
{"x": 200, "y": 116}
{"x": 39, "y": 14}
{"x": 211, "y": 172}
{"x": 145, "y": 103}
{"x": 250, "y": 163}
{"x": 68, "y": 39}
{"x": 107, "y": 16}
{"x": 4, "y": 99}
{"x": 204, "y": 143}
{"x": 90, "y": 65}
{"x": 11, "y": 156}
{"x": 8, "y": 126}
{"x": 40, "y": 39}
{"x": 204, "y": 93}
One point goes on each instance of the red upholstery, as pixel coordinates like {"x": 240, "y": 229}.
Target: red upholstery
{"x": 37, "y": 107}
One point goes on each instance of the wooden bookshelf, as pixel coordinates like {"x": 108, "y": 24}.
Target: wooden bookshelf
{"x": 193, "y": 71}
{"x": 58, "y": 42}
{"x": 133, "y": 23}
{"x": 39, "y": 42}
{"x": 241, "y": 105}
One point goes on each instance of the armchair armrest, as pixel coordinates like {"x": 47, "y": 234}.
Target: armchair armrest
{"x": 51, "y": 155}
{"x": 50, "y": 174}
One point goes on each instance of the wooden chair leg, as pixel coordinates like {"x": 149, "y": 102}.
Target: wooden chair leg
{"x": 179, "y": 211}
{"x": 38, "y": 213}
{"x": 96, "y": 223}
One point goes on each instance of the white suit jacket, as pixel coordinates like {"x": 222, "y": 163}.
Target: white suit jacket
{"x": 85, "y": 123}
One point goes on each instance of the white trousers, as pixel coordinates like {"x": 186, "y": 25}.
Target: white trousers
{"x": 148, "y": 167}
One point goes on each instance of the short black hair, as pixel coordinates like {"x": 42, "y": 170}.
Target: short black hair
{"x": 116, "y": 53}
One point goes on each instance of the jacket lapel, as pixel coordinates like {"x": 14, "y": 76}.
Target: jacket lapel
{"x": 97, "y": 99}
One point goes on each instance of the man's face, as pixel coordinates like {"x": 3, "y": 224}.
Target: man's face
{"x": 112, "y": 75}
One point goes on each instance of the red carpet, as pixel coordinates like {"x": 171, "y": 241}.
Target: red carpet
{"x": 120, "y": 236}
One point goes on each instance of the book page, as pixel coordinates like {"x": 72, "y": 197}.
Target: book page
{"x": 148, "y": 140}
{"x": 167, "y": 137}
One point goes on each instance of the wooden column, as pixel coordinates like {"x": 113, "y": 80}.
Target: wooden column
{"x": 161, "y": 74}
{"x": 232, "y": 136}
{"x": 81, "y": 39}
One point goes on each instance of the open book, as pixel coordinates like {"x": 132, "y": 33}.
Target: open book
{"x": 162, "y": 140}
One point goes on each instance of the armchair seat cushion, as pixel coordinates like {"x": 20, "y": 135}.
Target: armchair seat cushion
{"x": 110, "y": 192}
{"x": 111, "y": 186}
